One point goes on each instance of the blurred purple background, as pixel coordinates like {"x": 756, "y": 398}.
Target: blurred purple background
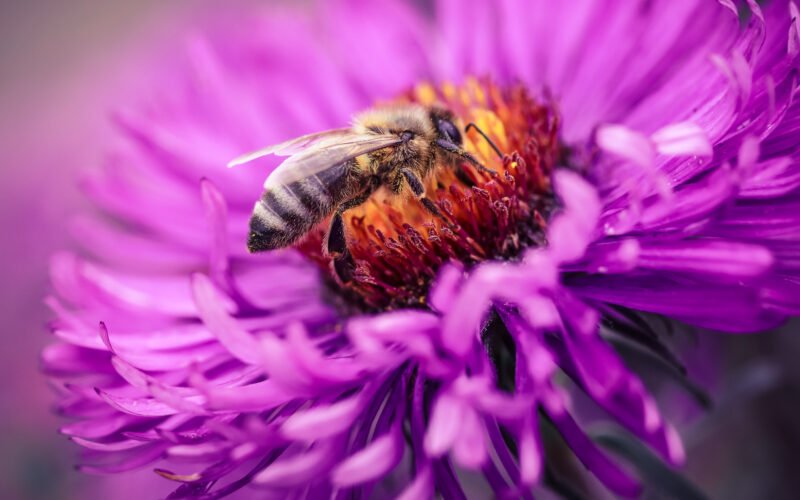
{"x": 63, "y": 65}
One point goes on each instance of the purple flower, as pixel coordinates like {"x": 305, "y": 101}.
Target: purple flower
{"x": 647, "y": 165}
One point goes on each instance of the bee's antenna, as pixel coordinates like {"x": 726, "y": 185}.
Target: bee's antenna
{"x": 491, "y": 143}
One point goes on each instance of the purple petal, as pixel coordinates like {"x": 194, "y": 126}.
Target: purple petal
{"x": 609, "y": 473}
{"x": 682, "y": 139}
{"x": 140, "y": 407}
{"x": 372, "y": 462}
{"x": 445, "y": 290}
{"x": 217, "y": 213}
{"x": 233, "y": 337}
{"x": 134, "y": 459}
{"x": 727, "y": 260}
{"x": 445, "y": 425}
{"x": 254, "y": 397}
{"x": 771, "y": 179}
{"x": 301, "y": 468}
{"x": 469, "y": 448}
{"x": 325, "y": 420}
{"x": 530, "y": 454}
{"x": 626, "y": 143}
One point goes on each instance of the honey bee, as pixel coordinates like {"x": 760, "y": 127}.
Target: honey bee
{"x": 328, "y": 173}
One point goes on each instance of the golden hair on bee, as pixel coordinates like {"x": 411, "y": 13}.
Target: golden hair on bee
{"x": 330, "y": 172}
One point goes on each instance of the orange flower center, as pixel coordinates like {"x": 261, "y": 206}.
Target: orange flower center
{"x": 398, "y": 246}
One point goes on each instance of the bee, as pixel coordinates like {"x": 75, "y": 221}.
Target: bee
{"x": 330, "y": 172}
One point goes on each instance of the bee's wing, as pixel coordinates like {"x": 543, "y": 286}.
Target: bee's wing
{"x": 326, "y": 154}
{"x": 292, "y": 146}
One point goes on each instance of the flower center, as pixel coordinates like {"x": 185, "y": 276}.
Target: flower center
{"x": 397, "y": 245}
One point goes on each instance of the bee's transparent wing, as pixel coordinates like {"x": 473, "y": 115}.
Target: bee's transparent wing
{"x": 292, "y": 146}
{"x": 328, "y": 153}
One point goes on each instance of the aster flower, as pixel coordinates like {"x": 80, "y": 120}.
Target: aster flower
{"x": 646, "y": 165}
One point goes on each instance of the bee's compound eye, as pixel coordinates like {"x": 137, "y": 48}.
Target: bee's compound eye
{"x": 406, "y": 136}
{"x": 450, "y": 131}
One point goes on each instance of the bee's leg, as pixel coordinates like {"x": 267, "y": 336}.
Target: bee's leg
{"x": 414, "y": 182}
{"x": 342, "y": 262}
{"x": 418, "y": 188}
{"x": 336, "y": 242}
{"x": 452, "y": 148}
{"x": 336, "y": 239}
{"x": 343, "y": 267}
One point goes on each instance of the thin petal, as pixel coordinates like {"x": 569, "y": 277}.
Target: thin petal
{"x": 373, "y": 462}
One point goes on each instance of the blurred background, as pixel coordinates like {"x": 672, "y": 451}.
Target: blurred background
{"x": 63, "y": 65}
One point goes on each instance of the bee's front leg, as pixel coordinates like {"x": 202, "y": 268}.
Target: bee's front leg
{"x": 336, "y": 240}
{"x": 418, "y": 188}
{"x": 464, "y": 155}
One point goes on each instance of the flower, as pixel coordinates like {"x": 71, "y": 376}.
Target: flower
{"x": 646, "y": 164}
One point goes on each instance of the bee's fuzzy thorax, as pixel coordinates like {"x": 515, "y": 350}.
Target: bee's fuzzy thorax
{"x": 397, "y": 246}
{"x": 395, "y": 119}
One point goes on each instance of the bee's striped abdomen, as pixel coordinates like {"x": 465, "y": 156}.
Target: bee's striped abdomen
{"x": 287, "y": 212}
